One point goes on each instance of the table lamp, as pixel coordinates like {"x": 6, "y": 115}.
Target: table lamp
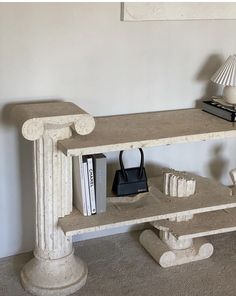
{"x": 226, "y": 75}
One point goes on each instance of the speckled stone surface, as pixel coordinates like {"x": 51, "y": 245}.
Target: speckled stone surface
{"x": 54, "y": 270}
{"x": 119, "y": 265}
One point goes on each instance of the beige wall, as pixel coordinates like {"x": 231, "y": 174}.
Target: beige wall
{"x": 84, "y": 53}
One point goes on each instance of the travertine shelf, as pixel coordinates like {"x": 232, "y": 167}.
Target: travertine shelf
{"x": 152, "y": 206}
{"x": 202, "y": 224}
{"x": 55, "y": 269}
{"x": 114, "y": 133}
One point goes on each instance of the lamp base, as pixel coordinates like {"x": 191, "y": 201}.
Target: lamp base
{"x": 229, "y": 94}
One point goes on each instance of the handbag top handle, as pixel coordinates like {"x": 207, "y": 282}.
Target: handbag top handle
{"x": 124, "y": 173}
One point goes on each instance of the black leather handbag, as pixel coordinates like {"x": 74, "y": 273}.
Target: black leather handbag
{"x": 130, "y": 181}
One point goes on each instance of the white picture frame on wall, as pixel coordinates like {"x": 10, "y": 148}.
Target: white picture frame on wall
{"x": 159, "y": 11}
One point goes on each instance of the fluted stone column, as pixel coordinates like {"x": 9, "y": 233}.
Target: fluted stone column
{"x": 54, "y": 270}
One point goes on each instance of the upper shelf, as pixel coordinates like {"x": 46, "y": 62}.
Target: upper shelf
{"x": 122, "y": 132}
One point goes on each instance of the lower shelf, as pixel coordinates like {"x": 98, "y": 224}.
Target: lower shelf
{"x": 201, "y": 225}
{"x": 151, "y": 206}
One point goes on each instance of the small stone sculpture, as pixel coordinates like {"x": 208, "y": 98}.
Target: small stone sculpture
{"x": 178, "y": 184}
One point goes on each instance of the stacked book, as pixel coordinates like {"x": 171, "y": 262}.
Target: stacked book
{"x": 217, "y": 106}
{"x": 89, "y": 184}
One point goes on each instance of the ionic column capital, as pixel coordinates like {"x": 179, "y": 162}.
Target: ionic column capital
{"x": 34, "y": 119}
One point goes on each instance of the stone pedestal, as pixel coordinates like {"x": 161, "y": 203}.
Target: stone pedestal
{"x": 54, "y": 270}
{"x": 58, "y": 277}
{"x": 167, "y": 249}
{"x": 170, "y": 252}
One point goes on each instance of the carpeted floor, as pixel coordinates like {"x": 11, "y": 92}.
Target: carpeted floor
{"x": 119, "y": 266}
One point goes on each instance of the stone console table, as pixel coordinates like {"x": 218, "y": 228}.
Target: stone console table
{"x": 61, "y": 130}
{"x": 54, "y": 270}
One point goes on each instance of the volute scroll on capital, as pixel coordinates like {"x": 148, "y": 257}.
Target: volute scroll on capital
{"x": 34, "y": 119}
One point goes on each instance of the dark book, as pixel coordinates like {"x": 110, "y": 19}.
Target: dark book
{"x": 220, "y": 110}
{"x": 100, "y": 169}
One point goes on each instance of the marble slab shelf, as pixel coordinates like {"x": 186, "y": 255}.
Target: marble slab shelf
{"x": 203, "y": 224}
{"x": 60, "y": 130}
{"x": 122, "y": 132}
{"x": 151, "y": 206}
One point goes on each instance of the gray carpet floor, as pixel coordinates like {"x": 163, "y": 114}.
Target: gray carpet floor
{"x": 118, "y": 265}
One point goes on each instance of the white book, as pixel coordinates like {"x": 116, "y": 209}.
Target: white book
{"x": 91, "y": 184}
{"x": 79, "y": 186}
{"x": 86, "y": 183}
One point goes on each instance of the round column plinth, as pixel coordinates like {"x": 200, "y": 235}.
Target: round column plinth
{"x": 59, "y": 277}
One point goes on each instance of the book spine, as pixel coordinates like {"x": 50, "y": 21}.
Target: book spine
{"x": 91, "y": 184}
{"x": 100, "y": 182}
{"x": 86, "y": 183}
{"x": 78, "y": 186}
{"x": 223, "y": 113}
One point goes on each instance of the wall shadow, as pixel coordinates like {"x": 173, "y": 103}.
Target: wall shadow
{"x": 216, "y": 167}
{"x": 217, "y": 164}
{"x": 209, "y": 67}
{"x": 112, "y": 166}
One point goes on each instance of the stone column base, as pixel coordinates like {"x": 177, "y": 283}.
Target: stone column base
{"x": 167, "y": 257}
{"x": 59, "y": 277}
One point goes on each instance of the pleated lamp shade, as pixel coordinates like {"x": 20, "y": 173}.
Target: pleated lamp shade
{"x": 226, "y": 74}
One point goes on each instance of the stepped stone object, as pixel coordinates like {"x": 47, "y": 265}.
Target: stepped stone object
{"x": 54, "y": 270}
{"x": 178, "y": 184}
